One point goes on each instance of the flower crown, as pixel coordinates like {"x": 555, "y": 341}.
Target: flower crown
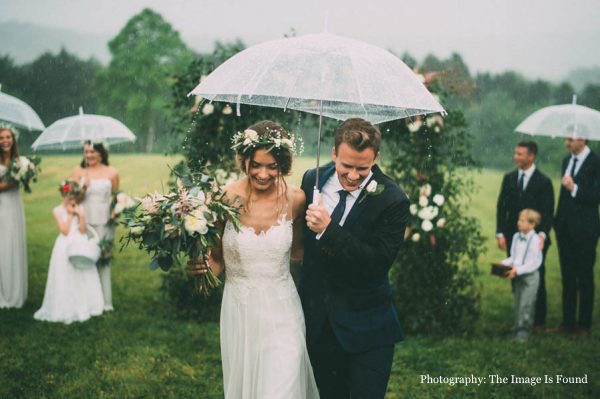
{"x": 70, "y": 187}
{"x": 248, "y": 139}
{"x": 9, "y": 126}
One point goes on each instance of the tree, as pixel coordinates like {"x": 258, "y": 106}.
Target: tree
{"x": 146, "y": 55}
{"x": 434, "y": 276}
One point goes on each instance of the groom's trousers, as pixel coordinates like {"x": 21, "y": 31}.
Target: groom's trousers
{"x": 343, "y": 375}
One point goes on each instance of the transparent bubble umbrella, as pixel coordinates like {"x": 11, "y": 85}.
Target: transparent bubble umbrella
{"x": 323, "y": 74}
{"x": 567, "y": 120}
{"x": 18, "y": 113}
{"x": 72, "y": 132}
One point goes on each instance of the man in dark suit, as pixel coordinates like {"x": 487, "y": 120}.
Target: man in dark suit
{"x": 353, "y": 235}
{"x": 526, "y": 187}
{"x": 577, "y": 226}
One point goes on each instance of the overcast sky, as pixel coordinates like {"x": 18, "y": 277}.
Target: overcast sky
{"x": 541, "y": 38}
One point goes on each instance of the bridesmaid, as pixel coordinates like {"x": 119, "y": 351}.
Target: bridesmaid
{"x": 100, "y": 181}
{"x": 13, "y": 248}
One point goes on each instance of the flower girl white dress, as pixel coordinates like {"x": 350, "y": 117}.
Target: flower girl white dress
{"x": 71, "y": 294}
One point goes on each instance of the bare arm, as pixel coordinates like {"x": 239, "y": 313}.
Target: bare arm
{"x": 63, "y": 227}
{"x": 7, "y": 185}
{"x": 116, "y": 181}
{"x": 81, "y": 214}
{"x": 298, "y": 212}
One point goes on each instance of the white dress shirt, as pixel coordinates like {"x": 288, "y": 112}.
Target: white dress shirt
{"x": 525, "y": 252}
{"x": 331, "y": 197}
{"x": 580, "y": 159}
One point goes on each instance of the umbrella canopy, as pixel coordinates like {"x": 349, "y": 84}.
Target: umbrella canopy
{"x": 72, "y": 132}
{"x": 19, "y": 113}
{"x": 322, "y": 74}
{"x": 567, "y": 120}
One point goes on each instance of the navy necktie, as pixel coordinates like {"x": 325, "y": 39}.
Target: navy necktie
{"x": 573, "y": 167}
{"x": 340, "y": 208}
{"x": 521, "y": 183}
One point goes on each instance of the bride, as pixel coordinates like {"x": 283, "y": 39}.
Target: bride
{"x": 263, "y": 346}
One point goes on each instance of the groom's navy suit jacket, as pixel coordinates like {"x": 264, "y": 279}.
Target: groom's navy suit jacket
{"x": 344, "y": 278}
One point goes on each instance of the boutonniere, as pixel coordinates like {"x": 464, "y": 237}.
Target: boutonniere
{"x": 372, "y": 189}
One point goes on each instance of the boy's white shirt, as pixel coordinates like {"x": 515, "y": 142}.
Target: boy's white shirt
{"x": 534, "y": 257}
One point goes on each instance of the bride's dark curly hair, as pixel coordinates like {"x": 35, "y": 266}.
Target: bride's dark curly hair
{"x": 283, "y": 157}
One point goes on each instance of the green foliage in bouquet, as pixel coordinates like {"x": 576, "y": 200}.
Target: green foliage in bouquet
{"x": 24, "y": 170}
{"x": 183, "y": 222}
{"x": 434, "y": 276}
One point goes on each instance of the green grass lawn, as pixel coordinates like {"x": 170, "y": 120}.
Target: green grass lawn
{"x": 141, "y": 350}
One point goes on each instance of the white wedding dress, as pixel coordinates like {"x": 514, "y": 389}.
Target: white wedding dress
{"x": 263, "y": 345}
{"x": 71, "y": 294}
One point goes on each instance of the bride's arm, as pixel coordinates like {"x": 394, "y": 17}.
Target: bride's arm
{"x": 214, "y": 260}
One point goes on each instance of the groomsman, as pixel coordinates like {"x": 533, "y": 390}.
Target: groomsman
{"x": 526, "y": 187}
{"x": 577, "y": 226}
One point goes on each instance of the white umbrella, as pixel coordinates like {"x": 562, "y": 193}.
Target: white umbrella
{"x": 567, "y": 120}
{"x": 19, "y": 113}
{"x": 322, "y": 74}
{"x": 72, "y": 132}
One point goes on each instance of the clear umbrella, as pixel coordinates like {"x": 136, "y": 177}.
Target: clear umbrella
{"x": 19, "y": 113}
{"x": 72, "y": 132}
{"x": 567, "y": 120}
{"x": 322, "y": 74}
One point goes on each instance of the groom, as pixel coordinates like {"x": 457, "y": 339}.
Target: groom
{"x": 352, "y": 237}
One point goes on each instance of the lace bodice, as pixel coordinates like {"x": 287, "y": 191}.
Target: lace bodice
{"x": 97, "y": 201}
{"x": 257, "y": 260}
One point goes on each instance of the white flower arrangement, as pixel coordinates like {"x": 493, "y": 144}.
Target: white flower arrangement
{"x": 208, "y": 109}
{"x": 426, "y": 214}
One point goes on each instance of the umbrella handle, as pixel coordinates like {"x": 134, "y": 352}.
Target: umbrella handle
{"x": 316, "y": 196}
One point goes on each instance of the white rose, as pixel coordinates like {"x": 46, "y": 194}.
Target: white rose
{"x": 372, "y": 186}
{"x": 416, "y": 237}
{"x": 193, "y": 225}
{"x": 421, "y": 77}
{"x": 426, "y": 225}
{"x": 119, "y": 208}
{"x": 227, "y": 110}
{"x": 423, "y": 201}
{"x": 413, "y": 209}
{"x": 438, "y": 199}
{"x": 287, "y": 142}
{"x": 426, "y": 190}
{"x": 208, "y": 109}
{"x": 441, "y": 223}
{"x": 247, "y": 142}
{"x": 415, "y": 126}
{"x": 137, "y": 230}
{"x": 437, "y": 129}
{"x": 277, "y": 142}
{"x": 251, "y": 134}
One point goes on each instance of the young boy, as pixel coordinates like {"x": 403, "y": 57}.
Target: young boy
{"x": 525, "y": 259}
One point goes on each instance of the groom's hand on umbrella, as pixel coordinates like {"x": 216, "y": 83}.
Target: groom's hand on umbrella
{"x": 317, "y": 217}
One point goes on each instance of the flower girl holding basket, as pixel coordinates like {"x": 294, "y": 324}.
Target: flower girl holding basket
{"x": 73, "y": 290}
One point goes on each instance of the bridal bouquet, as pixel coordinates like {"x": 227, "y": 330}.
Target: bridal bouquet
{"x": 23, "y": 170}
{"x": 120, "y": 202}
{"x": 183, "y": 222}
{"x": 426, "y": 214}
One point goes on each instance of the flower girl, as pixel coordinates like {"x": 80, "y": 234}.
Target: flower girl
{"x": 72, "y": 294}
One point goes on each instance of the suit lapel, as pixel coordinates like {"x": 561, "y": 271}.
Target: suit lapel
{"x": 326, "y": 173}
{"x": 361, "y": 202}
